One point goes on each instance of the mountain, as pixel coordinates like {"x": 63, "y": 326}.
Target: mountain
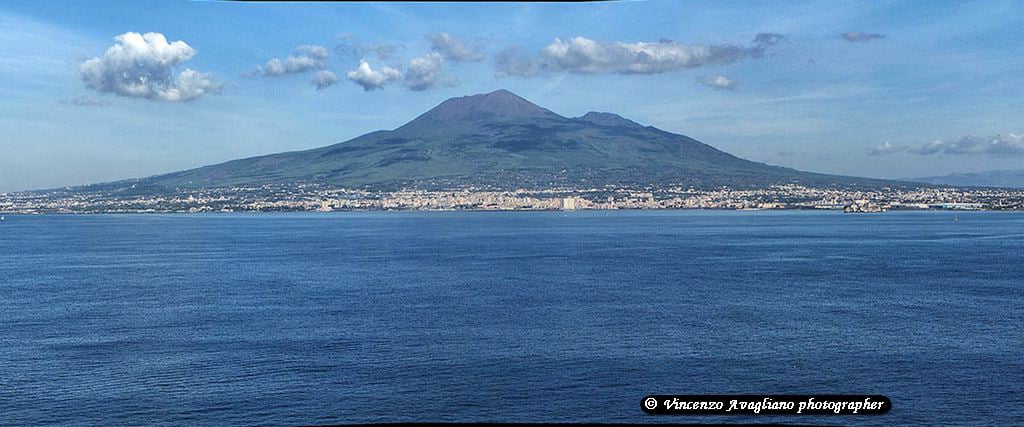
{"x": 500, "y": 140}
{"x": 997, "y": 178}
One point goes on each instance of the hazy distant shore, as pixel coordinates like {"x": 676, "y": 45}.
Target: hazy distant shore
{"x": 305, "y": 199}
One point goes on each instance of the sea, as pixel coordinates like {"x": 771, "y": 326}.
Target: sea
{"x": 361, "y": 317}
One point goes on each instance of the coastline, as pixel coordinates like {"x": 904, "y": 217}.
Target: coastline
{"x": 314, "y": 198}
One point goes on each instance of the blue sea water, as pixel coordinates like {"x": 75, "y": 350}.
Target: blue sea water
{"x": 506, "y": 316}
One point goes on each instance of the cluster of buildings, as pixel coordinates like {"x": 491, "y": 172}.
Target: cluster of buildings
{"x": 318, "y": 198}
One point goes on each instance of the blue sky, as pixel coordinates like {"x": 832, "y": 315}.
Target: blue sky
{"x": 881, "y": 89}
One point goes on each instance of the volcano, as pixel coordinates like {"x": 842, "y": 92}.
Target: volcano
{"x": 499, "y": 140}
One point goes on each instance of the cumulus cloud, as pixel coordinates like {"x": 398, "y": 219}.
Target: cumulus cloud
{"x": 857, "y": 36}
{"x": 305, "y": 58}
{"x": 454, "y": 49}
{"x": 585, "y": 56}
{"x": 371, "y": 79}
{"x": 191, "y": 85}
{"x": 421, "y": 73}
{"x": 999, "y": 145}
{"x": 885, "y": 149}
{"x": 718, "y": 82}
{"x": 323, "y": 79}
{"x": 426, "y": 72}
{"x": 141, "y": 66}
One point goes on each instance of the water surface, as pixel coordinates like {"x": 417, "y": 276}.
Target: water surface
{"x": 515, "y": 316}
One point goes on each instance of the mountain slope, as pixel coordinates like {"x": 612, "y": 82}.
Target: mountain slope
{"x": 501, "y": 140}
{"x": 997, "y": 178}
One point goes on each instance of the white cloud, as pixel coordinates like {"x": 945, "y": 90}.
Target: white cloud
{"x": 425, "y": 73}
{"x": 1000, "y": 145}
{"x": 885, "y": 149}
{"x": 454, "y": 49}
{"x": 857, "y": 36}
{"x": 421, "y": 73}
{"x": 371, "y": 79}
{"x": 324, "y": 79}
{"x": 585, "y": 56}
{"x": 719, "y": 82}
{"x": 191, "y": 85}
{"x": 305, "y": 58}
{"x": 141, "y": 66}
